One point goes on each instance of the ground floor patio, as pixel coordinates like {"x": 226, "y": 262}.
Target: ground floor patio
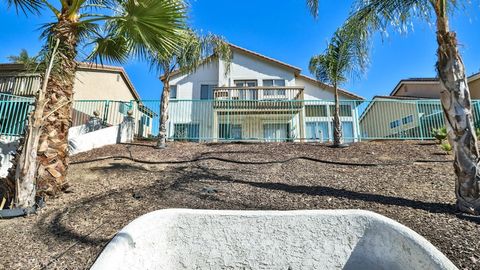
{"x": 107, "y": 191}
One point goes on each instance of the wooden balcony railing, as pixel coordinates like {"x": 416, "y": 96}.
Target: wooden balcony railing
{"x": 251, "y": 98}
{"x": 20, "y": 85}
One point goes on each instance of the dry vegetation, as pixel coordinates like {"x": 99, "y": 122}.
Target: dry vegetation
{"x": 396, "y": 179}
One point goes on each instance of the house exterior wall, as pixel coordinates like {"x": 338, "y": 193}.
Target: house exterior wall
{"x": 376, "y": 122}
{"x": 420, "y": 89}
{"x": 474, "y": 89}
{"x": 101, "y": 85}
{"x": 247, "y": 67}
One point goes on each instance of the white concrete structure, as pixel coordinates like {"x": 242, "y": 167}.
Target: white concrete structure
{"x": 178, "y": 239}
{"x": 8, "y": 147}
{"x": 260, "y": 98}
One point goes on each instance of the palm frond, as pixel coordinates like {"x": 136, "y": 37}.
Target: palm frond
{"x": 109, "y": 49}
{"x": 313, "y": 6}
{"x": 26, "y": 6}
{"x": 149, "y": 26}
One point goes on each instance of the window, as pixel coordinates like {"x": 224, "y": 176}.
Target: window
{"x": 124, "y": 107}
{"x": 145, "y": 120}
{"x": 186, "y": 132}
{"x": 173, "y": 91}
{"x": 395, "y": 124}
{"x": 318, "y": 131}
{"x": 345, "y": 110}
{"x": 408, "y": 119}
{"x": 271, "y": 83}
{"x": 245, "y": 94}
{"x": 316, "y": 111}
{"x": 206, "y": 91}
{"x": 229, "y": 131}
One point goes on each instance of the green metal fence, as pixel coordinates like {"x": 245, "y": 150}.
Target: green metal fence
{"x": 254, "y": 120}
{"x": 14, "y": 111}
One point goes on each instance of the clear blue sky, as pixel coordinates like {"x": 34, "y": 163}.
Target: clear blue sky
{"x": 283, "y": 30}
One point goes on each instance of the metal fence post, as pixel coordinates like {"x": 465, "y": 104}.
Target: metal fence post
{"x": 419, "y": 120}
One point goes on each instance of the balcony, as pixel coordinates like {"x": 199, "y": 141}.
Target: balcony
{"x": 258, "y": 98}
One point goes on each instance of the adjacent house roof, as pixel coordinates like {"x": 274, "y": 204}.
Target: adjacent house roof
{"x": 471, "y": 78}
{"x": 413, "y": 81}
{"x": 86, "y": 67}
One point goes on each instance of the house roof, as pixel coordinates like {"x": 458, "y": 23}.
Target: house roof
{"x": 266, "y": 58}
{"x": 322, "y": 84}
{"x": 430, "y": 80}
{"x": 413, "y": 81}
{"x": 474, "y": 77}
{"x": 296, "y": 70}
{"x": 87, "y": 67}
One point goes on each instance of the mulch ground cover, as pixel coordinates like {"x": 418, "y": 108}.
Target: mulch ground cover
{"x": 410, "y": 182}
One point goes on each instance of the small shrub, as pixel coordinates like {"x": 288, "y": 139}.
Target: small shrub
{"x": 477, "y": 132}
{"x": 446, "y": 147}
{"x": 440, "y": 134}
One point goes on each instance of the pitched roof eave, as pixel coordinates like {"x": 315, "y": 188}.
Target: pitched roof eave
{"x": 342, "y": 91}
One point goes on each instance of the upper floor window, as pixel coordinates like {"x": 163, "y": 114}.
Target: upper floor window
{"x": 206, "y": 91}
{"x": 271, "y": 83}
{"x": 173, "y": 91}
{"x": 245, "y": 83}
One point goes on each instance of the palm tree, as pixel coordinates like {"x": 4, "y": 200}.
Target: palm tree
{"x": 370, "y": 16}
{"x": 115, "y": 30}
{"x": 190, "y": 54}
{"x": 22, "y": 58}
{"x": 343, "y": 57}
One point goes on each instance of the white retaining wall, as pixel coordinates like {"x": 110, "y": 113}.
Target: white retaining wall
{"x": 322, "y": 239}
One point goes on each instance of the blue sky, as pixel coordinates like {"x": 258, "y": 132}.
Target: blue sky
{"x": 283, "y": 30}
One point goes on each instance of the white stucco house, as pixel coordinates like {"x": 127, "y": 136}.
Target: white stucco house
{"x": 259, "y": 99}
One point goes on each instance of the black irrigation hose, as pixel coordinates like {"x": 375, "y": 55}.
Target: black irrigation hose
{"x": 264, "y": 162}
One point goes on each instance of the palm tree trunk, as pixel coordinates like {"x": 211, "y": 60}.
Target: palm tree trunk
{"x": 162, "y": 136}
{"x": 53, "y": 146}
{"x": 456, "y": 105}
{"x": 337, "y": 130}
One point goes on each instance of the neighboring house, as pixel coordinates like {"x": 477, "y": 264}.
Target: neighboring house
{"x": 260, "y": 98}
{"x": 104, "y": 89}
{"x": 412, "y": 110}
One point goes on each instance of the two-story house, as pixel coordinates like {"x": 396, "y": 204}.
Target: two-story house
{"x": 257, "y": 98}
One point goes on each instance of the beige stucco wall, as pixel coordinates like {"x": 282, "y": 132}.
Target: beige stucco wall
{"x": 103, "y": 85}
{"x": 420, "y": 89}
{"x": 474, "y": 89}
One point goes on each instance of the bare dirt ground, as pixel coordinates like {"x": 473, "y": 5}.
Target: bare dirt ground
{"x": 411, "y": 182}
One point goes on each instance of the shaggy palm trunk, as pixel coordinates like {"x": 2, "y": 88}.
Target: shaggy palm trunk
{"x": 162, "y": 136}
{"x": 52, "y": 154}
{"x": 456, "y": 105}
{"x": 337, "y": 128}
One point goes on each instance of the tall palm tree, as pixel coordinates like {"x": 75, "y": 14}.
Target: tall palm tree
{"x": 190, "y": 54}
{"x": 22, "y": 58}
{"x": 370, "y": 16}
{"x": 115, "y": 30}
{"x": 343, "y": 57}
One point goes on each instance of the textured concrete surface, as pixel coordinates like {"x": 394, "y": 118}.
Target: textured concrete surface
{"x": 8, "y": 147}
{"x": 92, "y": 140}
{"x": 319, "y": 239}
